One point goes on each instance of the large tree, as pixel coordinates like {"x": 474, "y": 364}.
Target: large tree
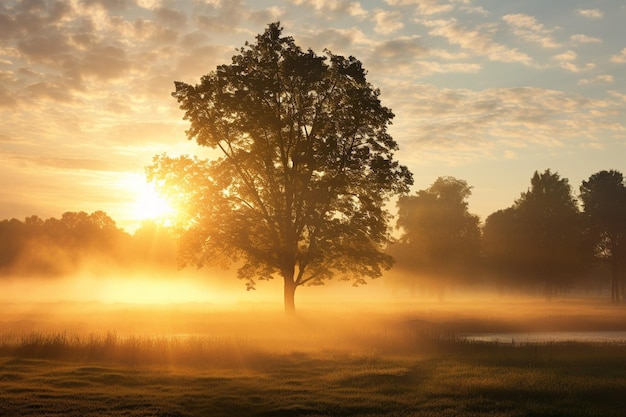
{"x": 604, "y": 202}
{"x": 304, "y": 169}
{"x": 540, "y": 238}
{"x": 440, "y": 238}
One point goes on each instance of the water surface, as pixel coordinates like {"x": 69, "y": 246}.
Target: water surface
{"x": 549, "y": 337}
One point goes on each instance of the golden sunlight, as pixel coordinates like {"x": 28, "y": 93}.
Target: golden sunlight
{"x": 149, "y": 204}
{"x": 155, "y": 291}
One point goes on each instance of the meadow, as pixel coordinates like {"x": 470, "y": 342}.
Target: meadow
{"x": 191, "y": 360}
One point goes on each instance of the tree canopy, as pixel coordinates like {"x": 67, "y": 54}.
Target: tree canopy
{"x": 604, "y": 202}
{"x": 56, "y": 247}
{"x": 440, "y": 238}
{"x": 306, "y": 167}
{"x": 541, "y": 236}
{"x": 81, "y": 242}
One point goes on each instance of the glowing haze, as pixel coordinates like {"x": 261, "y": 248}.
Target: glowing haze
{"x": 484, "y": 90}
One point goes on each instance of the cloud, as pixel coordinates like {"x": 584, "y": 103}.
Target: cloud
{"x": 600, "y": 79}
{"x": 50, "y": 46}
{"x": 566, "y": 56}
{"x": 7, "y": 98}
{"x": 407, "y": 57}
{"x": 579, "y": 38}
{"x": 264, "y": 16}
{"x": 424, "y": 7}
{"x": 529, "y": 29}
{"x": 571, "y": 67}
{"x": 332, "y": 9}
{"x": 423, "y": 68}
{"x": 54, "y": 91}
{"x": 476, "y": 10}
{"x": 576, "y": 68}
{"x": 113, "y": 5}
{"x": 107, "y": 62}
{"x": 476, "y": 40}
{"x": 222, "y": 17}
{"x": 387, "y": 22}
{"x": 340, "y": 41}
{"x": 591, "y": 13}
{"x": 402, "y": 47}
{"x": 566, "y": 62}
{"x": 170, "y": 17}
{"x": 619, "y": 58}
{"x": 194, "y": 62}
{"x": 479, "y": 124}
{"x": 148, "y": 32}
{"x": 89, "y": 164}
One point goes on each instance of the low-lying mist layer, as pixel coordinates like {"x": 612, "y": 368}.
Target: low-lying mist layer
{"x": 126, "y": 332}
{"x": 339, "y": 359}
{"x": 185, "y": 360}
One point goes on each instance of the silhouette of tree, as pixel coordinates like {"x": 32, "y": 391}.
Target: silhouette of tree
{"x": 539, "y": 238}
{"x": 306, "y": 167}
{"x": 604, "y": 202}
{"x": 12, "y": 236}
{"x": 54, "y": 247}
{"x": 503, "y": 246}
{"x": 440, "y": 239}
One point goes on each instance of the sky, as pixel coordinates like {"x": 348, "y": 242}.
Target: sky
{"x": 487, "y": 91}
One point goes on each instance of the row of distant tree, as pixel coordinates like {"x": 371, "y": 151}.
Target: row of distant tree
{"x": 78, "y": 242}
{"x": 546, "y": 240}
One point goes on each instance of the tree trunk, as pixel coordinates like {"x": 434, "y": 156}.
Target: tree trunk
{"x": 290, "y": 292}
{"x": 615, "y": 278}
{"x": 622, "y": 285}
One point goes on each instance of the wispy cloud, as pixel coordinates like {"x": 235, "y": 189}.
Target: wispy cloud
{"x": 619, "y": 58}
{"x": 333, "y": 8}
{"x": 340, "y": 41}
{"x": 403, "y": 48}
{"x": 502, "y": 118}
{"x": 387, "y": 22}
{"x": 579, "y": 38}
{"x": 478, "y": 40}
{"x": 566, "y": 61}
{"x": 591, "y": 13}
{"x": 424, "y": 7}
{"x": 600, "y": 79}
{"x": 566, "y": 56}
{"x": 529, "y": 29}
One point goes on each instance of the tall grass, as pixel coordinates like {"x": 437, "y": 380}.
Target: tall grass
{"x": 132, "y": 350}
{"x": 227, "y": 376}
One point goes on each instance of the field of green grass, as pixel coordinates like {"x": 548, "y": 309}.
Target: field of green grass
{"x": 180, "y": 361}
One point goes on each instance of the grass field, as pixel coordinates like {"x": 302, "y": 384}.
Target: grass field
{"x": 183, "y": 361}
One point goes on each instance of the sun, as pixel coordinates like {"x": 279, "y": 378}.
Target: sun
{"x": 148, "y": 203}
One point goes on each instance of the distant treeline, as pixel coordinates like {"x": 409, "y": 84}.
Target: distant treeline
{"x": 78, "y": 242}
{"x": 548, "y": 240}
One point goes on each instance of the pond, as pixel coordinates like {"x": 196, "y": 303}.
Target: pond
{"x": 548, "y": 337}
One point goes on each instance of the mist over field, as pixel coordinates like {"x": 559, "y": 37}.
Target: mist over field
{"x": 196, "y": 343}
{"x": 214, "y": 302}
